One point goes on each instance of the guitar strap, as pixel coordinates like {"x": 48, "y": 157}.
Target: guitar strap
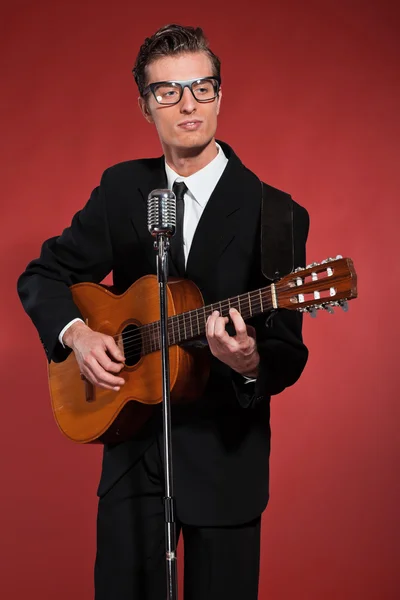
{"x": 277, "y": 245}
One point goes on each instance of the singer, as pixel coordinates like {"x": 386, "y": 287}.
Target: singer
{"x": 221, "y": 441}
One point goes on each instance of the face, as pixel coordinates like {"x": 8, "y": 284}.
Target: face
{"x": 188, "y": 124}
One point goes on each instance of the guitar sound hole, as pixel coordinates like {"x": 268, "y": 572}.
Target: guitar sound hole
{"x": 132, "y": 342}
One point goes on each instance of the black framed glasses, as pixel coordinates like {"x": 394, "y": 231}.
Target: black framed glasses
{"x": 204, "y": 89}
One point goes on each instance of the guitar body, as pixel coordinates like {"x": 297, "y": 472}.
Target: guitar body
{"x": 87, "y": 413}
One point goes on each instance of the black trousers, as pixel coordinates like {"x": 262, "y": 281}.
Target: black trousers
{"x": 219, "y": 562}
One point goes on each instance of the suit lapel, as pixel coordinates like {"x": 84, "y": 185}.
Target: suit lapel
{"x": 153, "y": 178}
{"x": 221, "y": 217}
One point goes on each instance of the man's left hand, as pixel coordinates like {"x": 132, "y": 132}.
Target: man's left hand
{"x": 239, "y": 351}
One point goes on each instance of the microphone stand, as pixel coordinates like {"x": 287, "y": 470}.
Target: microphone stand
{"x": 162, "y": 245}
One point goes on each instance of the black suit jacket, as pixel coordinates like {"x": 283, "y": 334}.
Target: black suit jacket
{"x": 221, "y": 442}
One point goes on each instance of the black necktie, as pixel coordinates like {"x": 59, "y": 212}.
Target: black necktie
{"x": 177, "y": 252}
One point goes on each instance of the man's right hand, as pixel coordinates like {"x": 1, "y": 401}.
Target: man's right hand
{"x": 97, "y": 354}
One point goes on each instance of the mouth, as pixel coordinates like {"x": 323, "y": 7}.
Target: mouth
{"x": 190, "y": 125}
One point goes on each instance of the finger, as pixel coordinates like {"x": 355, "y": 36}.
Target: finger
{"x": 211, "y": 323}
{"x": 101, "y": 375}
{"x": 239, "y": 324}
{"x": 89, "y": 376}
{"x": 219, "y": 329}
{"x": 105, "y": 361}
{"x": 115, "y": 352}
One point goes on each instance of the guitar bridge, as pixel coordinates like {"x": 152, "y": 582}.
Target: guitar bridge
{"x": 89, "y": 389}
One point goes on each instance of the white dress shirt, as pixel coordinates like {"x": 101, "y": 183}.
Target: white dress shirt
{"x": 200, "y": 187}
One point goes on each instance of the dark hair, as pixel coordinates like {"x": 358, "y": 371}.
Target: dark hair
{"x": 169, "y": 41}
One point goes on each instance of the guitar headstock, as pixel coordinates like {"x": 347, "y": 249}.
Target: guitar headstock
{"x": 318, "y": 286}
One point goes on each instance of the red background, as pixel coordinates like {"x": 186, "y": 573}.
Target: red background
{"x": 311, "y": 102}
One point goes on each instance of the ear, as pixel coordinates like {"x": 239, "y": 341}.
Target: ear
{"x": 145, "y": 110}
{"x": 219, "y": 99}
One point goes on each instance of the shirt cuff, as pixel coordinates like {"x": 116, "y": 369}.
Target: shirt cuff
{"x": 60, "y": 337}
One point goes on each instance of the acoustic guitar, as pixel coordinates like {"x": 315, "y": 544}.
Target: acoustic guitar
{"x": 87, "y": 413}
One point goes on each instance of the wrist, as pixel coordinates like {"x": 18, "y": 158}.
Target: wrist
{"x": 251, "y": 374}
{"x": 72, "y": 332}
{"x": 251, "y": 371}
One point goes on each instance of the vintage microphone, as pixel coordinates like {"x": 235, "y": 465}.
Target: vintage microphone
{"x": 161, "y": 223}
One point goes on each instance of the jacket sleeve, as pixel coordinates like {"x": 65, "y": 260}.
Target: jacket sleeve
{"x": 283, "y": 355}
{"x": 83, "y": 252}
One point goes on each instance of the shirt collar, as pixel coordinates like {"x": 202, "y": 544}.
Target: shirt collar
{"x": 202, "y": 183}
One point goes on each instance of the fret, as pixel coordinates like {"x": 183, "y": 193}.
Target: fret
{"x": 235, "y": 303}
{"x": 261, "y": 301}
{"x": 248, "y": 296}
{"x": 173, "y": 330}
{"x": 191, "y": 325}
{"x": 198, "y": 325}
{"x": 156, "y": 335}
{"x": 245, "y": 309}
{"x": 265, "y": 293}
{"x": 239, "y": 309}
{"x": 176, "y": 329}
{"x": 184, "y": 325}
{"x": 148, "y": 337}
{"x": 179, "y": 331}
{"x": 151, "y": 335}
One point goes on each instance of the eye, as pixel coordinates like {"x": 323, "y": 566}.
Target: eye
{"x": 166, "y": 91}
{"x": 203, "y": 88}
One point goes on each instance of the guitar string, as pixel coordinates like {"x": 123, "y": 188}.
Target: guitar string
{"x": 133, "y": 346}
{"x": 219, "y": 305}
{"x": 145, "y": 334}
{"x": 150, "y": 334}
{"x": 178, "y": 322}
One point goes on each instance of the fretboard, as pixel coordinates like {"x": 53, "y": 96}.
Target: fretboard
{"x": 192, "y": 324}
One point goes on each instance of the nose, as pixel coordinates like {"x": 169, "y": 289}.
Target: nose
{"x": 188, "y": 103}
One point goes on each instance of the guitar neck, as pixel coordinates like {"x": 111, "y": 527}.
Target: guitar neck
{"x": 192, "y": 324}
{"x": 317, "y": 286}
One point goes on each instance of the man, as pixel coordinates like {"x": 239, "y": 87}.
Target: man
{"x": 221, "y": 441}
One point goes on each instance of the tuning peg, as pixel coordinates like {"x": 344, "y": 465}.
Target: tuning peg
{"x": 314, "y": 264}
{"x": 329, "y": 309}
{"x": 312, "y": 311}
{"x": 344, "y": 305}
